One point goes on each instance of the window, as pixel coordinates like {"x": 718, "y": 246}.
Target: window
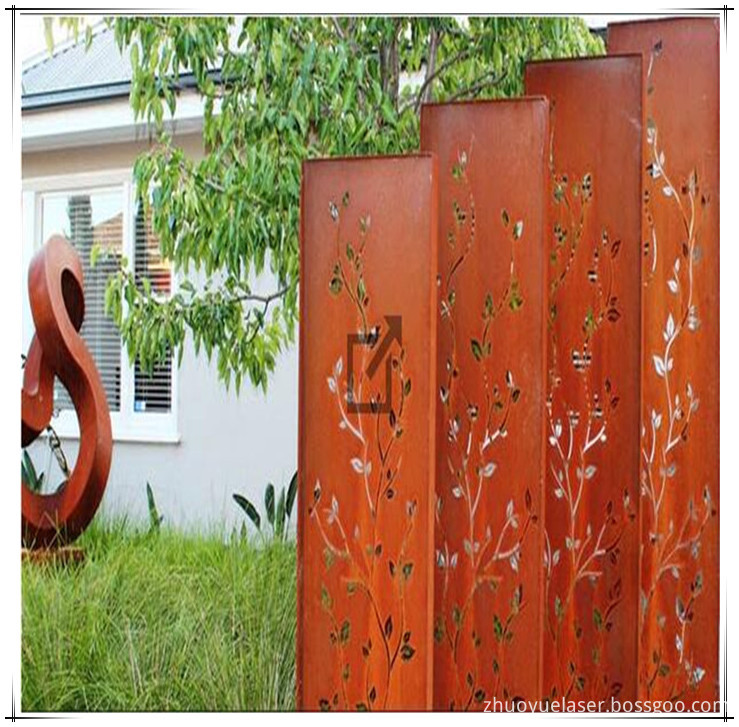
{"x": 88, "y": 219}
{"x": 153, "y": 390}
{"x": 100, "y": 211}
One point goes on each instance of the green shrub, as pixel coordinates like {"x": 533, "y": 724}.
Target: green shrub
{"x": 278, "y": 516}
{"x": 174, "y": 622}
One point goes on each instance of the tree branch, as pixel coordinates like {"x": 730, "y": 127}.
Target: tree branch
{"x": 343, "y": 35}
{"x": 266, "y": 299}
{"x": 430, "y": 78}
{"x": 477, "y": 85}
{"x": 425, "y": 95}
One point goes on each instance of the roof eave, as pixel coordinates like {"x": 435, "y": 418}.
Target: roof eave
{"x": 70, "y": 96}
{"x": 101, "y": 92}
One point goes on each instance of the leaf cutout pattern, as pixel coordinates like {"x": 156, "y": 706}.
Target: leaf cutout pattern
{"x": 377, "y": 442}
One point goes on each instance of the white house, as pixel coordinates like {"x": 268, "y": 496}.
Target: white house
{"x": 178, "y": 429}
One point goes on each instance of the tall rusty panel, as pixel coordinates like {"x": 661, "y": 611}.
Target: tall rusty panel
{"x": 490, "y": 423}
{"x": 679, "y": 615}
{"x": 367, "y": 413}
{"x": 591, "y": 551}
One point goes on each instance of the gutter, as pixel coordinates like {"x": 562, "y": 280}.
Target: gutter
{"x": 95, "y": 92}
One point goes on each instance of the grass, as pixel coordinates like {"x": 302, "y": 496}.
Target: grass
{"x": 160, "y": 621}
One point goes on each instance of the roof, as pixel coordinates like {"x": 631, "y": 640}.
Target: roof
{"x": 74, "y": 73}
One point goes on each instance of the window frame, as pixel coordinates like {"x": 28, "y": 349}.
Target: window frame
{"x": 128, "y": 425}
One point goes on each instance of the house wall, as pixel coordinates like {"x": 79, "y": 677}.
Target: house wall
{"x": 227, "y": 442}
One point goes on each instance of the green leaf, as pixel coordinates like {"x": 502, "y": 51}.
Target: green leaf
{"x": 280, "y": 519}
{"x": 292, "y": 491}
{"x": 251, "y": 511}
{"x": 155, "y": 519}
{"x": 49, "y": 33}
{"x": 34, "y": 481}
{"x": 95, "y": 251}
{"x": 269, "y": 503}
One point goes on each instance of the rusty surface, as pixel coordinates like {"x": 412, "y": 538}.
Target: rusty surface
{"x": 365, "y": 524}
{"x": 680, "y": 361}
{"x": 591, "y": 552}
{"x": 493, "y": 176}
{"x": 57, "y": 305}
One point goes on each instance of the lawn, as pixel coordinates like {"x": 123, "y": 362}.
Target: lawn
{"x": 160, "y": 621}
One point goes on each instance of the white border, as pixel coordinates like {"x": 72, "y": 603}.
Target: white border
{"x": 10, "y": 607}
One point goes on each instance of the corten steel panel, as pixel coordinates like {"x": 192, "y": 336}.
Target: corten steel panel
{"x": 679, "y": 615}
{"x": 591, "y": 553}
{"x": 493, "y": 176}
{"x": 365, "y": 540}
{"x": 55, "y": 293}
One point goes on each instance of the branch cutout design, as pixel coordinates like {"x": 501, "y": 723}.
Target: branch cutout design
{"x": 489, "y": 553}
{"x": 365, "y": 561}
{"x": 578, "y": 418}
{"x": 669, "y": 546}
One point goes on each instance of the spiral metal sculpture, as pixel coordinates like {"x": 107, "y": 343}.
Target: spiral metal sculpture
{"x": 58, "y": 350}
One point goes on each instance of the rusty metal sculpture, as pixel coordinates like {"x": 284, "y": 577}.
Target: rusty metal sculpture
{"x": 679, "y": 602}
{"x": 591, "y": 551}
{"x": 493, "y": 177}
{"x": 367, "y": 422}
{"x": 57, "y": 350}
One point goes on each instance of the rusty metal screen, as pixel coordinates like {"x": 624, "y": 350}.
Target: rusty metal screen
{"x": 591, "y": 550}
{"x": 490, "y": 369}
{"x": 367, "y": 413}
{"x": 679, "y": 601}
{"x": 509, "y": 395}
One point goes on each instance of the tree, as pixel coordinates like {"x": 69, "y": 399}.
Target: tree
{"x": 277, "y": 91}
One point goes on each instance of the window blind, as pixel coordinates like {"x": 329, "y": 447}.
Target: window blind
{"x": 87, "y": 220}
{"x": 152, "y": 389}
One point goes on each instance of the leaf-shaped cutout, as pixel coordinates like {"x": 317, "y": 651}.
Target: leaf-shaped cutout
{"x": 488, "y": 469}
{"x": 389, "y": 627}
{"x": 407, "y": 652}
